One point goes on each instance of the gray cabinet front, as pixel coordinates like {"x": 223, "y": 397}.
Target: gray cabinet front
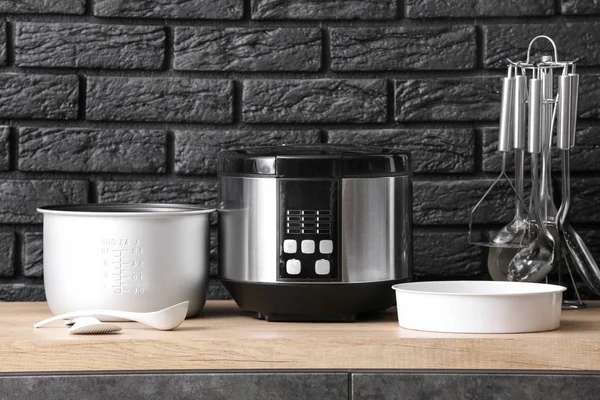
{"x": 180, "y": 386}
{"x": 412, "y": 385}
{"x": 298, "y": 385}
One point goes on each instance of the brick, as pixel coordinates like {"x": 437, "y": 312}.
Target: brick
{"x": 386, "y": 49}
{"x": 585, "y": 200}
{"x": 196, "y": 152}
{"x": 159, "y": 99}
{"x": 67, "y": 45}
{"x": 461, "y": 99}
{"x": 188, "y": 192}
{"x": 7, "y": 244}
{"x": 4, "y": 148}
{"x": 589, "y": 96}
{"x": 22, "y": 292}
{"x": 451, "y": 202}
{"x": 315, "y": 100}
{"x": 247, "y": 49}
{"x": 432, "y": 150}
{"x": 38, "y": 96}
{"x": 584, "y": 7}
{"x": 577, "y": 41}
{"x": 327, "y": 9}
{"x": 446, "y": 255}
{"x": 585, "y": 156}
{"x": 92, "y": 150}
{"x": 21, "y": 198}
{"x": 216, "y": 290}
{"x": 189, "y": 9}
{"x": 477, "y": 8}
{"x": 42, "y": 6}
{"x": 492, "y": 158}
{"x": 3, "y": 43}
{"x": 33, "y": 255}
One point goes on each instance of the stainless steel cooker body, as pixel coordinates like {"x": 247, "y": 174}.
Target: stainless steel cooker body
{"x": 374, "y": 231}
{"x": 314, "y": 232}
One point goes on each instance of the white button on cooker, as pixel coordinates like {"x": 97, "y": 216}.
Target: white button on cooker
{"x": 290, "y": 246}
{"x": 322, "y": 267}
{"x": 326, "y": 246}
{"x": 293, "y": 266}
{"x": 308, "y": 246}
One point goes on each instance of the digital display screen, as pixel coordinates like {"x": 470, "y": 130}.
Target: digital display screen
{"x": 308, "y": 222}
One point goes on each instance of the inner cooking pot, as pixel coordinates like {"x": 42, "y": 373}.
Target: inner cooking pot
{"x": 128, "y": 257}
{"x": 314, "y": 232}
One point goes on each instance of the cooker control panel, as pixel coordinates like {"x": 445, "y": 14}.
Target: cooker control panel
{"x": 308, "y": 231}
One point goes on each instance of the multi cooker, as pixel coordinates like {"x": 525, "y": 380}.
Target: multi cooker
{"x": 318, "y": 232}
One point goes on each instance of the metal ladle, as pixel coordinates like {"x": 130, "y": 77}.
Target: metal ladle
{"x": 567, "y": 118}
{"x": 534, "y": 262}
{"x": 547, "y": 123}
{"x": 578, "y": 252}
{"x": 547, "y": 115}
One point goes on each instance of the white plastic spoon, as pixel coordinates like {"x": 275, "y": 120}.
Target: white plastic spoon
{"x": 164, "y": 320}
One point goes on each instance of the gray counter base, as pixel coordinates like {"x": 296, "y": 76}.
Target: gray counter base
{"x": 300, "y": 384}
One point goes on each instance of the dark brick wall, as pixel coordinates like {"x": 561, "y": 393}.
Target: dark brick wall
{"x": 131, "y": 100}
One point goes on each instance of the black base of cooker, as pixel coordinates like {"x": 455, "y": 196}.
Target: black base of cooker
{"x": 344, "y": 302}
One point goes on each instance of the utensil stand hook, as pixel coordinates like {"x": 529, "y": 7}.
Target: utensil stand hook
{"x": 541, "y": 37}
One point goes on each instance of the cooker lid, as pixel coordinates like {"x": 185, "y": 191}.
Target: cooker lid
{"x": 315, "y": 161}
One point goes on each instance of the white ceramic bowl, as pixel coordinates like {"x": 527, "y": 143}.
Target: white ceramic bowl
{"x": 478, "y": 306}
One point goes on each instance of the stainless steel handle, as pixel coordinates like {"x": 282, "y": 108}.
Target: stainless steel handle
{"x": 519, "y": 111}
{"x": 564, "y": 113}
{"x": 547, "y": 94}
{"x": 535, "y": 115}
{"x": 506, "y": 113}
{"x": 574, "y": 95}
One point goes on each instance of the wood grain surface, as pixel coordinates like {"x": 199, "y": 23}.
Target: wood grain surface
{"x": 225, "y": 338}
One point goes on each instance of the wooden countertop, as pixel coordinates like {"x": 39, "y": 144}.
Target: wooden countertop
{"x": 224, "y": 338}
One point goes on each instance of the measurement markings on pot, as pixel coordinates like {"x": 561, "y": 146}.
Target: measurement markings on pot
{"x": 122, "y": 265}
